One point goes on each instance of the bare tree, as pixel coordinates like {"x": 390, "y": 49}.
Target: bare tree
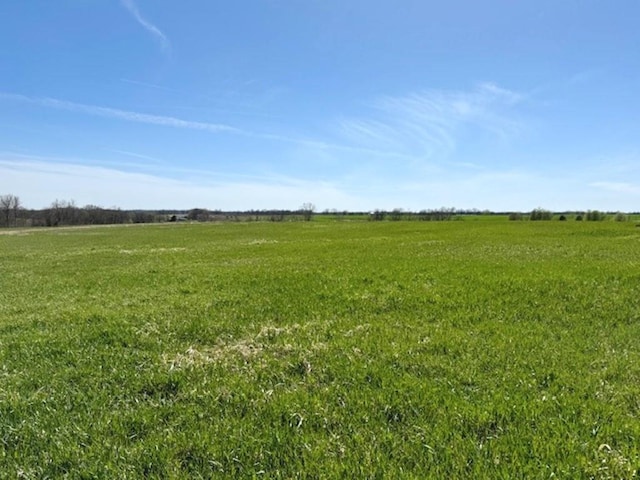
{"x": 62, "y": 212}
{"x": 307, "y": 210}
{"x": 396, "y": 214}
{"x": 54, "y": 213}
{"x": 9, "y": 206}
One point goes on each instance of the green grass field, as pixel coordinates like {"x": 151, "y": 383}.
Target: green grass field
{"x": 468, "y": 349}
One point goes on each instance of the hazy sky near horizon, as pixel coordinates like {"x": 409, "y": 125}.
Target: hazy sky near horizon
{"x": 350, "y": 104}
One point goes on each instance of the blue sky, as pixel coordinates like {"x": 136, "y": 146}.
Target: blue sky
{"x": 350, "y": 104}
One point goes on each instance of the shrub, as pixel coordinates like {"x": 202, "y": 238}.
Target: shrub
{"x": 515, "y": 216}
{"x": 540, "y": 214}
{"x": 595, "y": 216}
{"x": 396, "y": 214}
{"x": 377, "y": 215}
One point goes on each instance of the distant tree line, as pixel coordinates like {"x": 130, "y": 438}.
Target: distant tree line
{"x": 397, "y": 214}
{"x": 67, "y": 213}
{"x": 538, "y": 214}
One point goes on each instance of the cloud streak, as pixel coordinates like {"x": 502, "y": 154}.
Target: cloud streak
{"x": 427, "y": 124}
{"x": 126, "y": 115}
{"x": 148, "y": 26}
{"x": 618, "y": 187}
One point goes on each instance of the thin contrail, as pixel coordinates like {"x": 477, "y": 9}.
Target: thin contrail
{"x": 150, "y": 27}
{"x": 124, "y": 114}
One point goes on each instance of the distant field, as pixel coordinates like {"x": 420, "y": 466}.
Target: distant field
{"x": 354, "y": 349}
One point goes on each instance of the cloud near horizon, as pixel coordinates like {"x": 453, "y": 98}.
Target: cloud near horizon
{"x": 619, "y": 187}
{"x": 112, "y": 186}
{"x": 109, "y": 186}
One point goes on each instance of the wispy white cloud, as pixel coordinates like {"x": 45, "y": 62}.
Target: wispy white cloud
{"x": 147, "y": 25}
{"x": 140, "y": 156}
{"x": 149, "y": 85}
{"x": 154, "y": 167}
{"x": 16, "y": 161}
{"x": 123, "y": 114}
{"x": 108, "y": 186}
{"x": 618, "y": 187}
{"x": 247, "y": 107}
{"x": 489, "y": 91}
{"x": 427, "y": 124}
